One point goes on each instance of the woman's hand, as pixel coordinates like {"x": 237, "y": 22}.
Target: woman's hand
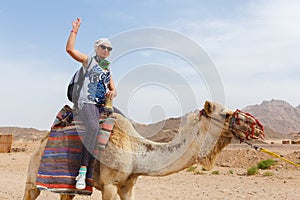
{"x": 111, "y": 94}
{"x": 76, "y": 24}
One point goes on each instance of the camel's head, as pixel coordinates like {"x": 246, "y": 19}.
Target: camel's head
{"x": 232, "y": 123}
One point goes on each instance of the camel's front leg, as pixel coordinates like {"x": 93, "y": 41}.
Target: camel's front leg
{"x": 109, "y": 192}
{"x": 126, "y": 192}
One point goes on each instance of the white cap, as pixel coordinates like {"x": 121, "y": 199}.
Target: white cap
{"x": 101, "y": 41}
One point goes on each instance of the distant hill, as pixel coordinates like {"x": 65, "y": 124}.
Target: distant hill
{"x": 162, "y": 131}
{"x": 278, "y": 115}
{"x": 280, "y": 119}
{"x": 23, "y": 133}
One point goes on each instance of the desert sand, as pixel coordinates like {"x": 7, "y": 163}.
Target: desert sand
{"x": 227, "y": 180}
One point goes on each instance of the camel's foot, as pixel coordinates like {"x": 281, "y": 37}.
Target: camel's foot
{"x": 31, "y": 194}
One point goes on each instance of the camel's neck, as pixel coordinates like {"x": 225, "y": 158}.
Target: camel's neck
{"x": 160, "y": 159}
{"x": 131, "y": 153}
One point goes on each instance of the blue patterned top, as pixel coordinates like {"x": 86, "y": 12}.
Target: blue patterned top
{"x": 95, "y": 84}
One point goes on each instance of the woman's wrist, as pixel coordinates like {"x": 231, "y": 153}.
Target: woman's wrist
{"x": 74, "y": 30}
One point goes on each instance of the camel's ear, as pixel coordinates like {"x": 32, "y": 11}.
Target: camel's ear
{"x": 209, "y": 107}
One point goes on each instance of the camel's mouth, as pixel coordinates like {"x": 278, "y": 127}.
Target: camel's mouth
{"x": 244, "y": 126}
{"x": 239, "y": 124}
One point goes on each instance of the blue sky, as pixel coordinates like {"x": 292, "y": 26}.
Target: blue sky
{"x": 253, "y": 45}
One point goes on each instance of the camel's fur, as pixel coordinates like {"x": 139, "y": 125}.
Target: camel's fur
{"x": 129, "y": 155}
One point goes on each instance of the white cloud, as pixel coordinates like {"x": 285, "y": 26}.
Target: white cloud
{"x": 255, "y": 52}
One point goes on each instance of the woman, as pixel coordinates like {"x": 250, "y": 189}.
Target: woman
{"x": 97, "y": 85}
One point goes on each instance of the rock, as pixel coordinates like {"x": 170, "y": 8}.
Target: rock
{"x": 225, "y": 165}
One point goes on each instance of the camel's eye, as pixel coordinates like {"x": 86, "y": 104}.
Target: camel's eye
{"x": 224, "y": 114}
{"x": 227, "y": 115}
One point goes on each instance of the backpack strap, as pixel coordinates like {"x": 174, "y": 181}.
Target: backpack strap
{"x": 87, "y": 68}
{"x": 82, "y": 75}
{"x": 82, "y": 72}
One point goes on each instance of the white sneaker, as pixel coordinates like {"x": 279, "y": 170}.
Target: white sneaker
{"x": 80, "y": 184}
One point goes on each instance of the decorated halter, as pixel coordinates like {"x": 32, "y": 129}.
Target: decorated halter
{"x": 250, "y": 123}
{"x": 247, "y": 126}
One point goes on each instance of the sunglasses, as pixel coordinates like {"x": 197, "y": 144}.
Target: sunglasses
{"x": 105, "y": 47}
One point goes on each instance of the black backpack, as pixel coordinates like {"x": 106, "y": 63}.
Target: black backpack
{"x": 75, "y": 85}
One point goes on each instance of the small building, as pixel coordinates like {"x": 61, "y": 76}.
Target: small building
{"x": 285, "y": 141}
{"x": 6, "y": 143}
{"x": 295, "y": 141}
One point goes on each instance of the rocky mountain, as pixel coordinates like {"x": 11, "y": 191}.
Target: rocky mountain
{"x": 162, "y": 131}
{"x": 280, "y": 119}
{"x": 278, "y": 115}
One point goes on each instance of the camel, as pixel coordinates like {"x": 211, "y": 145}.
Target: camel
{"x": 128, "y": 155}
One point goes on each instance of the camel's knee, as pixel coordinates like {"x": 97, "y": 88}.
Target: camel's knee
{"x": 110, "y": 192}
{"x": 31, "y": 194}
{"x": 66, "y": 196}
{"x": 127, "y": 192}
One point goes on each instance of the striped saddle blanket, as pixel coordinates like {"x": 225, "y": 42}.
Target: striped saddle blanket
{"x": 62, "y": 155}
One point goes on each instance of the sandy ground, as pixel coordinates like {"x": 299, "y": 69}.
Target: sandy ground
{"x": 227, "y": 180}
